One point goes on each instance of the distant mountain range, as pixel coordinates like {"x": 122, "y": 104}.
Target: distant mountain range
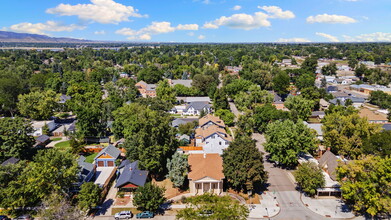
{"x": 6, "y": 36}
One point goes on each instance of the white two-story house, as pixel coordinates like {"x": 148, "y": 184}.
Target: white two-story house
{"x": 213, "y": 139}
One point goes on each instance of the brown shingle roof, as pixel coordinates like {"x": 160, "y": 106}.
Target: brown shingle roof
{"x": 205, "y": 165}
{"x": 208, "y": 131}
{"x": 372, "y": 116}
{"x": 207, "y": 118}
{"x": 329, "y": 162}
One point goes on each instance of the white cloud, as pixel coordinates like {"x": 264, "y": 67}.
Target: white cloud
{"x": 248, "y": 21}
{"x": 201, "y": 37}
{"x": 331, "y": 38}
{"x": 42, "y": 28}
{"x": 189, "y": 27}
{"x": 277, "y": 12}
{"x": 100, "y": 32}
{"x": 154, "y": 29}
{"x": 237, "y": 8}
{"x": 293, "y": 40}
{"x": 101, "y": 11}
{"x": 332, "y": 19}
{"x": 240, "y": 21}
{"x": 374, "y": 37}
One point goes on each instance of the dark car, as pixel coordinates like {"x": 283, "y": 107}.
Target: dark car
{"x": 146, "y": 214}
{"x": 24, "y": 217}
{"x": 4, "y": 217}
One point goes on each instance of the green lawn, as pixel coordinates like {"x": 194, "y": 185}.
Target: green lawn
{"x": 90, "y": 158}
{"x": 56, "y": 139}
{"x": 65, "y": 145}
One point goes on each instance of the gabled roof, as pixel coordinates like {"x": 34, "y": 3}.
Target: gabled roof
{"x": 372, "y": 116}
{"x": 11, "y": 160}
{"x": 205, "y": 165}
{"x": 42, "y": 139}
{"x": 110, "y": 150}
{"x": 85, "y": 168}
{"x": 213, "y": 129}
{"x": 329, "y": 162}
{"x": 211, "y": 118}
{"x": 131, "y": 174}
{"x": 197, "y": 105}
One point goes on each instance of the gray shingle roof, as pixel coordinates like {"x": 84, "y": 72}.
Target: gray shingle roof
{"x": 85, "y": 168}
{"x": 11, "y": 160}
{"x": 110, "y": 150}
{"x": 131, "y": 174}
{"x": 329, "y": 162}
{"x": 197, "y": 105}
{"x": 43, "y": 138}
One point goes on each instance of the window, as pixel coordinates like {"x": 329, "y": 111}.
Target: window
{"x": 220, "y": 143}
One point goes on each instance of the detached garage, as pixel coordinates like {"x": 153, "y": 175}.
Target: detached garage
{"x": 107, "y": 157}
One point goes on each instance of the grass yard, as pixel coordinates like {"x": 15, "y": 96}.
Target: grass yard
{"x": 55, "y": 139}
{"x": 90, "y": 158}
{"x": 63, "y": 146}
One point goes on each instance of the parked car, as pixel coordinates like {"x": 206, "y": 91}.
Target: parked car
{"x": 4, "y": 217}
{"x": 24, "y": 217}
{"x": 123, "y": 215}
{"x": 146, "y": 214}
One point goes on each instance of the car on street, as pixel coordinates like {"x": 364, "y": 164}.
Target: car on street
{"x": 24, "y": 217}
{"x": 123, "y": 215}
{"x": 4, "y": 217}
{"x": 146, "y": 214}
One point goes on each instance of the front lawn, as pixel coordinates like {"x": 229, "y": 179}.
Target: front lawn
{"x": 56, "y": 139}
{"x": 90, "y": 158}
{"x": 63, "y": 146}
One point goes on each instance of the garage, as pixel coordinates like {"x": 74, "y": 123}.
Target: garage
{"x": 110, "y": 163}
{"x": 101, "y": 164}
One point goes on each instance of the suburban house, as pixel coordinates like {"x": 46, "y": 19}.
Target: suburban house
{"x": 129, "y": 176}
{"x": 107, "y": 157}
{"x": 42, "y": 140}
{"x": 213, "y": 139}
{"x": 233, "y": 70}
{"x": 195, "y": 108}
{"x": 60, "y": 131}
{"x": 317, "y": 115}
{"x": 343, "y": 81}
{"x": 146, "y": 90}
{"x": 180, "y": 121}
{"x": 184, "y": 82}
{"x": 39, "y": 125}
{"x": 209, "y": 120}
{"x": 373, "y": 117}
{"x": 317, "y": 128}
{"x": 86, "y": 172}
{"x": 323, "y": 104}
{"x": 356, "y": 102}
{"x": 193, "y": 99}
{"x": 331, "y": 89}
{"x": 206, "y": 174}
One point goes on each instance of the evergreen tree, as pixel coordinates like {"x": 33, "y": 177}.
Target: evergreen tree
{"x": 177, "y": 169}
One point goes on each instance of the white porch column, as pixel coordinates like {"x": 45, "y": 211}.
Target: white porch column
{"x": 202, "y": 187}
{"x": 218, "y": 187}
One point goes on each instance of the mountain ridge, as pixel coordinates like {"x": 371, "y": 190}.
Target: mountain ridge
{"x": 8, "y": 36}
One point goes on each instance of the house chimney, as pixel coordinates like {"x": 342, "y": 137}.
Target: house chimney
{"x": 328, "y": 149}
{"x": 204, "y": 155}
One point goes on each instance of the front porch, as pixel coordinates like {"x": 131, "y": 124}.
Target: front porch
{"x": 206, "y": 186}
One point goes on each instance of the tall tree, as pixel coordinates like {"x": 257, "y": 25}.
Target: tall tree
{"x": 149, "y": 197}
{"x": 177, "y": 169}
{"x": 15, "y": 138}
{"x": 286, "y": 139}
{"x": 149, "y": 136}
{"x": 265, "y": 114}
{"x": 305, "y": 80}
{"x": 300, "y": 107}
{"x": 89, "y": 196}
{"x": 220, "y": 100}
{"x": 56, "y": 206}
{"x": 209, "y": 206}
{"x": 309, "y": 65}
{"x": 226, "y": 115}
{"x": 281, "y": 82}
{"x": 165, "y": 92}
{"x": 345, "y": 132}
{"x": 38, "y": 105}
{"x": 379, "y": 144}
{"x": 243, "y": 165}
{"x": 330, "y": 69}
{"x": 309, "y": 177}
{"x": 366, "y": 184}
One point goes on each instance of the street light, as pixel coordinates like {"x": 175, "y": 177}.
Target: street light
{"x": 267, "y": 212}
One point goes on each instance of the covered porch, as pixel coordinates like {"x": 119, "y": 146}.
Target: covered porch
{"x": 208, "y": 186}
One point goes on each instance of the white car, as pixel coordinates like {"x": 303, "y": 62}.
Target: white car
{"x": 123, "y": 215}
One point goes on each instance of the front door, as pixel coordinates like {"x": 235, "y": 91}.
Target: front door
{"x": 206, "y": 187}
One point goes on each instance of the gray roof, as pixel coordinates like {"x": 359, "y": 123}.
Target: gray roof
{"x": 85, "y": 168}
{"x": 64, "y": 98}
{"x": 197, "y": 105}
{"x": 387, "y": 127}
{"x": 186, "y": 83}
{"x": 11, "y": 160}
{"x": 317, "y": 128}
{"x": 318, "y": 113}
{"x": 194, "y": 99}
{"x": 42, "y": 139}
{"x": 110, "y": 150}
{"x": 332, "y": 89}
{"x": 184, "y": 136}
{"x": 329, "y": 162}
{"x": 179, "y": 121}
{"x": 131, "y": 174}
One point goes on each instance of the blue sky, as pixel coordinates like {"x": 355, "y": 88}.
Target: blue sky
{"x": 202, "y": 20}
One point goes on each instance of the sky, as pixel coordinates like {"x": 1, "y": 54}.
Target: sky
{"x": 202, "y": 20}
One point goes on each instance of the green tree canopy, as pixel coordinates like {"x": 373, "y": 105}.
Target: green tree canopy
{"x": 89, "y": 196}
{"x": 305, "y": 80}
{"x": 366, "y": 184}
{"x": 265, "y": 114}
{"x": 177, "y": 169}
{"x": 309, "y": 177}
{"x": 226, "y": 115}
{"x": 15, "y": 138}
{"x": 38, "y": 105}
{"x": 209, "y": 206}
{"x": 220, "y": 100}
{"x": 56, "y": 206}
{"x": 149, "y": 197}
{"x": 299, "y": 107}
{"x": 286, "y": 139}
{"x": 281, "y": 82}
{"x": 378, "y": 144}
{"x": 243, "y": 165}
{"x": 165, "y": 92}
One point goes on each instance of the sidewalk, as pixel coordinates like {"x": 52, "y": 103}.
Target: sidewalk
{"x": 328, "y": 207}
{"x": 268, "y": 207}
